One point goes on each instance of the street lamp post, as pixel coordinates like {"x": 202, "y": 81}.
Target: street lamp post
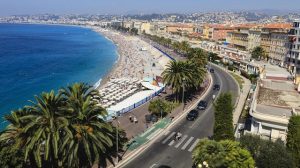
{"x": 161, "y": 110}
{"x": 117, "y": 140}
{"x": 209, "y": 63}
{"x": 117, "y": 137}
{"x": 183, "y": 82}
{"x": 117, "y": 143}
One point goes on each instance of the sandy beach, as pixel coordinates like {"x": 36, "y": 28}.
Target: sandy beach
{"x": 137, "y": 58}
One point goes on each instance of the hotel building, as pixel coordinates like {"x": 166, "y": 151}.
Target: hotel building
{"x": 293, "y": 56}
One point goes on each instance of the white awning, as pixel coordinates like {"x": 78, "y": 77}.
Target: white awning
{"x": 150, "y": 86}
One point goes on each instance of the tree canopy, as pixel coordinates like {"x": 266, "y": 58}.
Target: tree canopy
{"x": 223, "y": 126}
{"x": 158, "y": 105}
{"x": 293, "y": 138}
{"x": 267, "y": 154}
{"x": 258, "y": 53}
{"x": 221, "y": 154}
{"x": 179, "y": 74}
{"x": 62, "y": 130}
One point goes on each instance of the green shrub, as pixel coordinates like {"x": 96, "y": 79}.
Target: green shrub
{"x": 157, "y": 106}
{"x": 293, "y": 138}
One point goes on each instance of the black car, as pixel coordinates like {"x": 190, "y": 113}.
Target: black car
{"x": 151, "y": 118}
{"x": 202, "y": 105}
{"x": 211, "y": 70}
{"x": 216, "y": 87}
{"x": 192, "y": 115}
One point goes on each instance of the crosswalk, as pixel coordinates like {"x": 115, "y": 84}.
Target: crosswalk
{"x": 186, "y": 142}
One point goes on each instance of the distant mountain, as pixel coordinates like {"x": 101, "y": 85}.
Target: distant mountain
{"x": 272, "y": 12}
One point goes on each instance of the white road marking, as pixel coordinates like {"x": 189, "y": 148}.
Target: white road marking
{"x": 153, "y": 166}
{"x": 187, "y": 143}
{"x": 171, "y": 143}
{"x": 172, "y": 134}
{"x": 166, "y": 133}
{"x": 194, "y": 144}
{"x": 181, "y": 140}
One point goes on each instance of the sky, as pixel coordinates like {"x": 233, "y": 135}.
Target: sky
{"x": 16, "y": 7}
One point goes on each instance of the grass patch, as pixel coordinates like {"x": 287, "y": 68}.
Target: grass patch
{"x": 239, "y": 79}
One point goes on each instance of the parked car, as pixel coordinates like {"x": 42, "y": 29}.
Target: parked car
{"x": 211, "y": 70}
{"x": 202, "y": 105}
{"x": 216, "y": 87}
{"x": 192, "y": 115}
{"x": 151, "y": 118}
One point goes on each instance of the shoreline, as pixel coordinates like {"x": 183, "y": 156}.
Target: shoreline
{"x": 126, "y": 56}
{"x": 131, "y": 57}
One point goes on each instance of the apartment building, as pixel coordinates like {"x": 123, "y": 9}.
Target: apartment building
{"x": 293, "y": 56}
{"x": 216, "y": 32}
{"x": 181, "y": 29}
{"x": 273, "y": 38}
{"x": 279, "y": 46}
{"x": 238, "y": 38}
{"x": 254, "y": 38}
{"x": 146, "y": 27}
{"x": 273, "y": 102}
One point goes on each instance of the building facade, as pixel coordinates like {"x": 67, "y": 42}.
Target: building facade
{"x": 180, "y": 29}
{"x": 254, "y": 38}
{"x": 238, "y": 38}
{"x": 279, "y": 46}
{"x": 293, "y": 56}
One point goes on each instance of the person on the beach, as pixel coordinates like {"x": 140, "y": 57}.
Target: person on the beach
{"x": 130, "y": 118}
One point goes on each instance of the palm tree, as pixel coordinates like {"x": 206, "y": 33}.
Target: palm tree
{"x": 198, "y": 56}
{"x": 38, "y": 130}
{"x": 184, "y": 47}
{"x": 14, "y": 134}
{"x": 168, "y": 42}
{"x": 63, "y": 130}
{"x": 198, "y": 74}
{"x": 47, "y": 128}
{"x": 176, "y": 46}
{"x": 176, "y": 74}
{"x": 92, "y": 136}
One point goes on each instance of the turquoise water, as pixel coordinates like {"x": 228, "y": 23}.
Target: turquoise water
{"x": 37, "y": 58}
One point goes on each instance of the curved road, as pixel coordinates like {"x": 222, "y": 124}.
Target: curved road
{"x": 177, "y": 154}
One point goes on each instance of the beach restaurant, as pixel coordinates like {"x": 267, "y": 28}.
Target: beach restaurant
{"x": 123, "y": 95}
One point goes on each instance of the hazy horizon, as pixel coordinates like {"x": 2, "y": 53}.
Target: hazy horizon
{"x": 30, "y": 7}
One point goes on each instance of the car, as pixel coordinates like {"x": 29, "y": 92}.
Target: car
{"x": 211, "y": 70}
{"x": 151, "y": 118}
{"x": 216, "y": 87}
{"x": 202, "y": 105}
{"x": 192, "y": 115}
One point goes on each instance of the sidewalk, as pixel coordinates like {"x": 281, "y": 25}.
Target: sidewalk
{"x": 141, "y": 135}
{"x": 241, "y": 100}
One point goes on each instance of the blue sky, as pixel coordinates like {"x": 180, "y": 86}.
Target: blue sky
{"x": 11, "y": 7}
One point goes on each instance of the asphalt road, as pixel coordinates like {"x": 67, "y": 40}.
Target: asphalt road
{"x": 177, "y": 154}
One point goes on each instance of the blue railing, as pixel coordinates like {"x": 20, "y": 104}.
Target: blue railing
{"x": 166, "y": 54}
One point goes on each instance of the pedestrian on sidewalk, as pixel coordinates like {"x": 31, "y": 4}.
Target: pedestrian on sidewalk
{"x": 172, "y": 118}
{"x": 135, "y": 120}
{"x": 130, "y": 118}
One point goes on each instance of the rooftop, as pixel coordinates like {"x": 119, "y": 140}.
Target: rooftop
{"x": 278, "y": 93}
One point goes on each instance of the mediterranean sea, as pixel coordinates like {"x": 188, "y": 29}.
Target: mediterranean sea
{"x": 38, "y": 58}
